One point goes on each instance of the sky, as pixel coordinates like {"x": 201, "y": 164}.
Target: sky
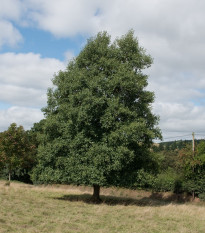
{"x": 39, "y": 37}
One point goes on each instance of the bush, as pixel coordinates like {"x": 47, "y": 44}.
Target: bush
{"x": 202, "y": 196}
{"x": 196, "y": 184}
{"x": 18, "y": 175}
{"x": 144, "y": 180}
{"x": 167, "y": 181}
{"x": 178, "y": 186}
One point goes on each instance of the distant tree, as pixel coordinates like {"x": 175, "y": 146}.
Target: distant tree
{"x": 167, "y": 146}
{"x": 99, "y": 125}
{"x": 187, "y": 161}
{"x": 16, "y": 149}
{"x": 173, "y": 146}
{"x": 201, "y": 154}
{"x": 1, "y": 155}
{"x": 161, "y": 146}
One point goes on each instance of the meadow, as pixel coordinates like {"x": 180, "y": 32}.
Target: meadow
{"x": 28, "y": 208}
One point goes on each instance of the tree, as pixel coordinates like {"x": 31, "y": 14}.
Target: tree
{"x": 193, "y": 168}
{"x": 99, "y": 125}
{"x": 17, "y": 150}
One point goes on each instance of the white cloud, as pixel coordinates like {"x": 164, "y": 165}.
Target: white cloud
{"x": 28, "y": 70}
{"x": 10, "y": 11}
{"x": 64, "y": 18}
{"x": 25, "y": 77}
{"x": 9, "y": 35}
{"x": 19, "y": 115}
{"x": 178, "y": 119}
{"x": 22, "y": 96}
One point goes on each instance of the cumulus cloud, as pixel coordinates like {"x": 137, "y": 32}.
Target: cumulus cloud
{"x": 179, "y": 119}
{"x": 9, "y": 35}
{"x": 64, "y": 18}
{"x": 25, "y": 78}
{"x": 22, "y": 96}
{"x": 10, "y": 11}
{"x": 19, "y": 115}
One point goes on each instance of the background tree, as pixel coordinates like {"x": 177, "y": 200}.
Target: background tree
{"x": 193, "y": 168}
{"x": 1, "y": 155}
{"x": 99, "y": 125}
{"x": 17, "y": 150}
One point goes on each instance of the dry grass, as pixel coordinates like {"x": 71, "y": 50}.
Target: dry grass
{"x": 26, "y": 208}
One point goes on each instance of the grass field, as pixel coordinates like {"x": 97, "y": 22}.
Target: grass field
{"x": 27, "y": 208}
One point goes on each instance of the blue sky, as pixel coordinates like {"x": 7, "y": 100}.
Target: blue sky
{"x": 46, "y": 44}
{"x": 38, "y": 37}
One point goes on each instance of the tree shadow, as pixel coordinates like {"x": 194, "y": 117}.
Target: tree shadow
{"x": 155, "y": 199}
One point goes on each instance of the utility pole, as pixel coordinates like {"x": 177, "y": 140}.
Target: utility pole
{"x": 193, "y": 144}
{"x": 193, "y": 150}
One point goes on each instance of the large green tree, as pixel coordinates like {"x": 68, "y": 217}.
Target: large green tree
{"x": 99, "y": 125}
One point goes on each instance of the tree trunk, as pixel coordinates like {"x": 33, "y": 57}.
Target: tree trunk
{"x": 193, "y": 195}
{"x": 9, "y": 176}
{"x": 8, "y": 183}
{"x": 96, "y": 193}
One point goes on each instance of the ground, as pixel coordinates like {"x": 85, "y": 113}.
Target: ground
{"x": 27, "y": 208}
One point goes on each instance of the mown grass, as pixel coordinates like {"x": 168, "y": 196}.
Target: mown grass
{"x": 26, "y": 208}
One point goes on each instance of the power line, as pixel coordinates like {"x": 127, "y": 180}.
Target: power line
{"x": 177, "y": 136}
{"x": 180, "y": 136}
{"x": 201, "y": 134}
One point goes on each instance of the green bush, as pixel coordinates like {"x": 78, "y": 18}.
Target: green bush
{"x": 196, "y": 184}
{"x": 178, "y": 186}
{"x": 202, "y": 196}
{"x": 166, "y": 181}
{"x": 18, "y": 175}
{"x": 4, "y": 173}
{"x": 144, "y": 180}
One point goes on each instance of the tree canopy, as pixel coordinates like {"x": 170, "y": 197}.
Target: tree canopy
{"x": 17, "y": 149}
{"x": 99, "y": 125}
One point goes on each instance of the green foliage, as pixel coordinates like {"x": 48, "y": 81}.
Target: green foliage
{"x": 192, "y": 167}
{"x": 167, "y": 181}
{"x": 200, "y": 157}
{"x": 170, "y": 160}
{"x": 144, "y": 180}
{"x": 17, "y": 151}
{"x": 164, "y": 181}
{"x": 202, "y": 196}
{"x": 195, "y": 183}
{"x": 99, "y": 125}
{"x": 181, "y": 170}
{"x": 192, "y": 164}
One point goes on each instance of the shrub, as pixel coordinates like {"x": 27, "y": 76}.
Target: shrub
{"x": 196, "y": 184}
{"x": 144, "y": 180}
{"x": 166, "y": 181}
{"x": 202, "y": 196}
